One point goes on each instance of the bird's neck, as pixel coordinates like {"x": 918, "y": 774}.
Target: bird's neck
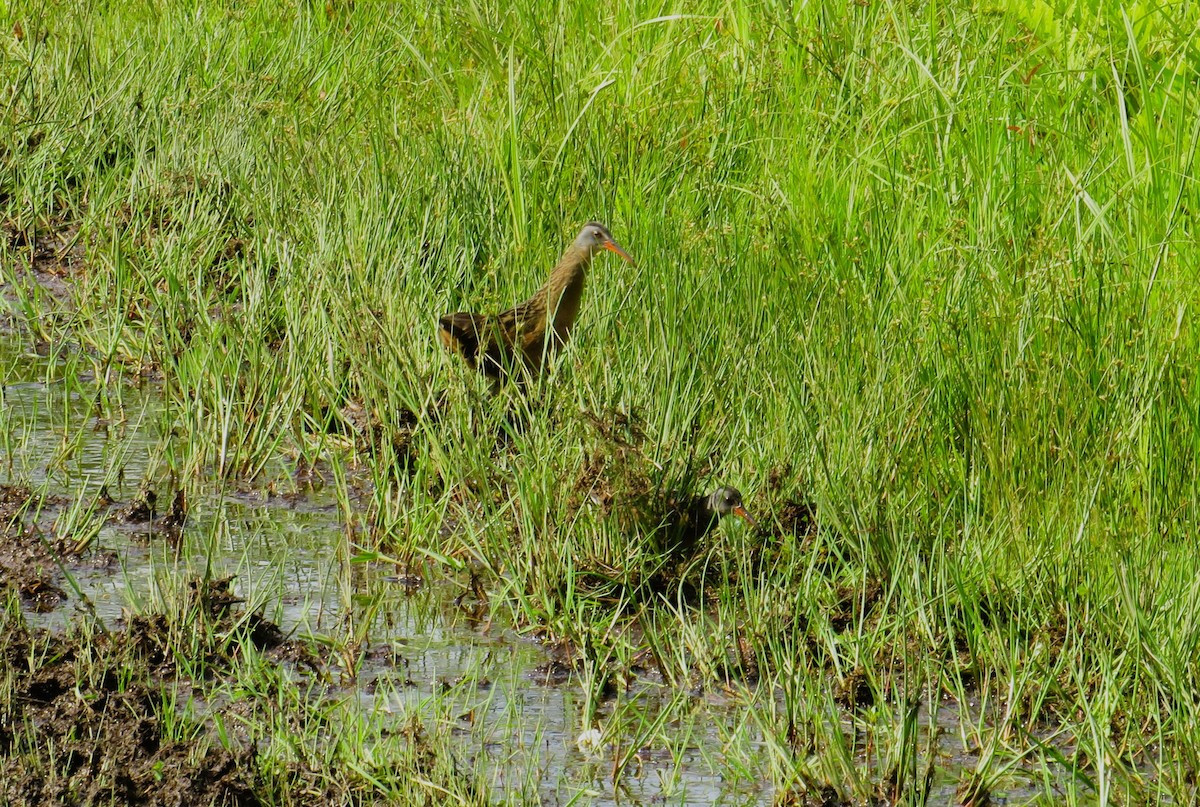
{"x": 703, "y": 512}
{"x": 564, "y": 289}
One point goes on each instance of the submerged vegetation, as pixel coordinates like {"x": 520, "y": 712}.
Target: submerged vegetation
{"x": 918, "y": 279}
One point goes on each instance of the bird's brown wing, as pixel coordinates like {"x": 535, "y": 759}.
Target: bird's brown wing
{"x": 524, "y": 328}
{"x": 491, "y": 344}
{"x": 478, "y": 339}
{"x": 463, "y": 333}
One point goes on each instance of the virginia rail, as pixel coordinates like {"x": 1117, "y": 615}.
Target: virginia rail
{"x": 526, "y": 335}
{"x": 689, "y": 522}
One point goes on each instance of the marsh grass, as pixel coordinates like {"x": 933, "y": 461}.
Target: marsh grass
{"x": 928, "y": 267}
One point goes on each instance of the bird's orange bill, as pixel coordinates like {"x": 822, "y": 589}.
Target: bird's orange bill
{"x": 741, "y": 512}
{"x": 612, "y": 246}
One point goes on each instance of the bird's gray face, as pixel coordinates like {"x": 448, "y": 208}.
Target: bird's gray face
{"x": 726, "y": 500}
{"x": 723, "y": 500}
{"x": 594, "y": 237}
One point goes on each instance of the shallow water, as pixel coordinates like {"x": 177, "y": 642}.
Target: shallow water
{"x": 426, "y": 653}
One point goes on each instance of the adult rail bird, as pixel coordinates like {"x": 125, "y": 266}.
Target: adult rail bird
{"x": 690, "y": 523}
{"x": 523, "y": 337}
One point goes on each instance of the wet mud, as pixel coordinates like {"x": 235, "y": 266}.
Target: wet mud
{"x": 84, "y": 724}
{"x": 30, "y": 553}
{"x": 36, "y": 556}
{"x": 90, "y": 716}
{"x": 45, "y": 254}
{"x": 83, "y": 720}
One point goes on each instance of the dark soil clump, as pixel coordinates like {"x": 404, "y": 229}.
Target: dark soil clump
{"x": 46, "y": 254}
{"x": 798, "y": 518}
{"x": 80, "y": 726}
{"x": 27, "y": 554}
{"x": 142, "y": 508}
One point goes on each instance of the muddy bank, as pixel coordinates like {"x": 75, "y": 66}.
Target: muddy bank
{"x": 38, "y": 550}
{"x": 29, "y": 557}
{"x": 87, "y": 722}
{"x": 161, "y": 710}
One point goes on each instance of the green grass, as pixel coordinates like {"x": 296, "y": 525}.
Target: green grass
{"x": 929, "y": 266}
